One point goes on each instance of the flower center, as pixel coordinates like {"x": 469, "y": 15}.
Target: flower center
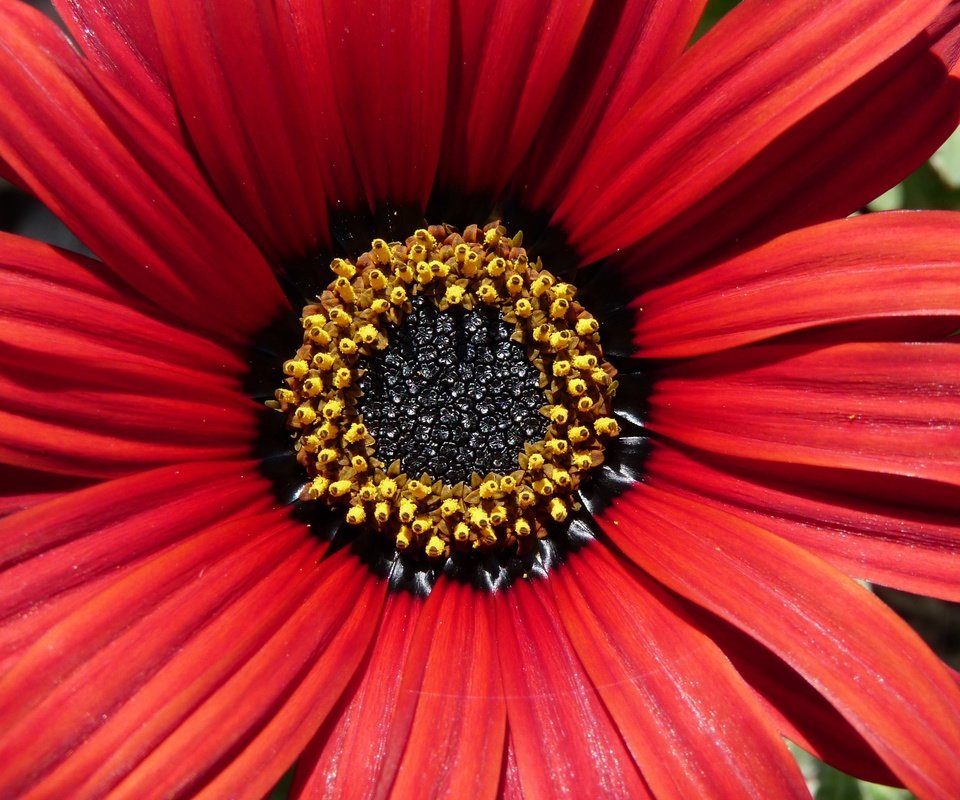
{"x": 449, "y": 393}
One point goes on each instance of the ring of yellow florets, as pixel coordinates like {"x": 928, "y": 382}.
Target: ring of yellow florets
{"x": 349, "y": 321}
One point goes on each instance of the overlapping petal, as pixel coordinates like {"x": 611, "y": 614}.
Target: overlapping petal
{"x": 874, "y": 406}
{"x": 836, "y": 634}
{"x": 879, "y": 265}
{"x": 763, "y": 69}
{"x": 125, "y": 185}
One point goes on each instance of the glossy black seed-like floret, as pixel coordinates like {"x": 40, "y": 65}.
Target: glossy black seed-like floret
{"x": 452, "y": 395}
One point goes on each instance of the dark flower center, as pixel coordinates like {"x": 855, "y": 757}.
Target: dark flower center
{"x": 449, "y": 394}
{"x": 452, "y": 394}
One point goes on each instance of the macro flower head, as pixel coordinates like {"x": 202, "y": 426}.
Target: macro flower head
{"x": 475, "y": 398}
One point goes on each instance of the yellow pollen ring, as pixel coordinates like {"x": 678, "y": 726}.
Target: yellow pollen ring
{"x": 350, "y": 320}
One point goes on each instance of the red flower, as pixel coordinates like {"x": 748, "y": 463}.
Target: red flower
{"x": 170, "y": 629}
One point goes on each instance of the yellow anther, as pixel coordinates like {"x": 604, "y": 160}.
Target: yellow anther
{"x": 535, "y": 461}
{"x": 421, "y": 525}
{"x": 461, "y": 532}
{"x": 408, "y": 511}
{"x": 295, "y": 368}
{"x": 561, "y": 368}
{"x": 368, "y": 492}
{"x": 559, "y": 308}
{"x": 460, "y": 251}
{"x": 318, "y": 487}
{"x": 492, "y": 236}
{"x": 340, "y": 488}
{"x": 343, "y": 268}
{"x": 488, "y": 293}
{"x": 379, "y": 306}
{"x": 522, "y": 527}
{"x": 564, "y": 290}
{"x": 417, "y": 253}
{"x": 398, "y": 295}
{"x": 578, "y": 433}
{"x": 449, "y": 507}
{"x": 586, "y": 326}
{"x": 343, "y": 378}
{"x": 576, "y": 386}
{"x": 515, "y": 284}
{"x": 584, "y": 404}
{"x": 324, "y": 361}
{"x": 355, "y": 433}
{"x": 387, "y": 488}
{"x": 508, "y": 484}
{"x": 314, "y": 321}
{"x": 581, "y": 461}
{"x": 496, "y": 267}
{"x": 599, "y": 377}
{"x": 540, "y": 284}
{"x": 305, "y": 414}
{"x": 561, "y": 477}
{"x": 381, "y": 252}
{"x": 556, "y": 447}
{"x": 454, "y": 295}
{"x": 606, "y": 426}
{"x": 557, "y": 509}
{"x": 489, "y": 488}
{"x": 359, "y": 463}
{"x": 312, "y": 387}
{"x": 376, "y": 279}
{"x": 403, "y": 538}
{"x": 404, "y": 272}
{"x": 368, "y": 334}
{"x": 356, "y": 515}
{"x": 542, "y": 333}
{"x": 418, "y": 490}
{"x": 523, "y": 308}
{"x": 332, "y": 409}
{"x": 319, "y": 336}
{"x": 560, "y": 340}
{"x": 525, "y": 497}
{"x": 426, "y": 236}
{"x": 435, "y": 547}
{"x": 340, "y": 318}
{"x": 424, "y": 274}
{"x": 498, "y": 515}
{"x": 311, "y": 443}
{"x": 327, "y": 456}
{"x": 588, "y": 361}
{"x": 471, "y": 264}
{"x": 347, "y": 346}
{"x": 558, "y": 414}
{"x": 439, "y": 269}
{"x": 285, "y": 396}
{"x": 345, "y": 289}
{"x": 381, "y": 512}
{"x": 478, "y": 517}
{"x": 328, "y": 431}
{"x": 543, "y": 486}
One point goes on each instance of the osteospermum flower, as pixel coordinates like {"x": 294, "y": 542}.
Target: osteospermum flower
{"x": 322, "y": 461}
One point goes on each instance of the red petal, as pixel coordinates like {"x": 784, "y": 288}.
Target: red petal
{"x": 232, "y": 79}
{"x": 510, "y": 785}
{"x": 69, "y": 686}
{"x": 502, "y": 89}
{"x": 876, "y": 406}
{"x": 389, "y": 72}
{"x": 844, "y": 641}
{"x": 764, "y": 68}
{"x": 622, "y": 50}
{"x": 566, "y": 744}
{"x": 119, "y": 37}
{"x": 872, "y": 266}
{"x": 889, "y": 535}
{"x": 361, "y": 745}
{"x": 125, "y": 186}
{"x": 457, "y": 736}
{"x": 694, "y": 728}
